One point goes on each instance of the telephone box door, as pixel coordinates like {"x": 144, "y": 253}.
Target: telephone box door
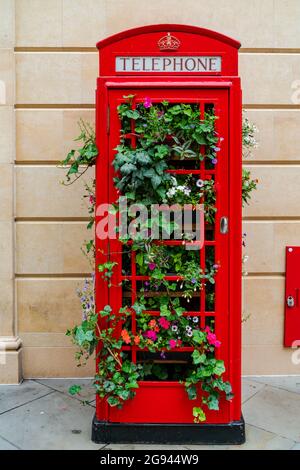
{"x": 166, "y": 401}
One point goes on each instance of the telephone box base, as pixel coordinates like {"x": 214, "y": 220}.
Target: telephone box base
{"x": 124, "y": 433}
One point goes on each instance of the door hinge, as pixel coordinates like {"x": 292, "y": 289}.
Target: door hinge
{"x": 108, "y": 120}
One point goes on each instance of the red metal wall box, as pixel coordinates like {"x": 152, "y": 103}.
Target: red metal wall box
{"x": 292, "y": 300}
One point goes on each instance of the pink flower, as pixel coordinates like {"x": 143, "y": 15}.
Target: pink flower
{"x": 164, "y": 323}
{"x": 172, "y": 343}
{"x": 212, "y": 339}
{"x": 147, "y": 102}
{"x": 151, "y": 335}
{"x": 151, "y": 266}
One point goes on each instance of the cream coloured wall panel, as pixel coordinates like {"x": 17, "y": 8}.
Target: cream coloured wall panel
{"x": 60, "y": 23}
{"x": 70, "y": 77}
{"x": 53, "y": 362}
{"x": 266, "y": 242}
{"x": 55, "y": 78}
{"x": 269, "y": 360}
{"x": 48, "y": 134}
{"x": 48, "y": 305}
{"x": 51, "y": 248}
{"x": 278, "y": 191}
{"x": 40, "y": 193}
{"x": 39, "y": 22}
{"x": 278, "y": 136}
{"x": 264, "y": 310}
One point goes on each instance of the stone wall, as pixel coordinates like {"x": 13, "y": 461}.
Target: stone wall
{"x": 48, "y": 62}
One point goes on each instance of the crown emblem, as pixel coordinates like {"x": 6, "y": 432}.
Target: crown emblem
{"x": 168, "y": 43}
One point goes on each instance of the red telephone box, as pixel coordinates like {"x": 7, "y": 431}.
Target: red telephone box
{"x": 186, "y": 65}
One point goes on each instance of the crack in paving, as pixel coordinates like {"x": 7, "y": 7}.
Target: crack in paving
{"x": 26, "y": 403}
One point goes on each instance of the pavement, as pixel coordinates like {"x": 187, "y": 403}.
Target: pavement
{"x": 40, "y": 414}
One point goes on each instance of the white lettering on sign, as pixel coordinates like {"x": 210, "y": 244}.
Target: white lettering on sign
{"x": 169, "y": 64}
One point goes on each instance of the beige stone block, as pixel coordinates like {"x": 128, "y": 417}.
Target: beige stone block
{"x": 7, "y": 320}
{"x": 6, "y": 134}
{"x": 48, "y": 305}
{"x": 7, "y": 27}
{"x": 220, "y": 15}
{"x": 40, "y": 193}
{"x": 11, "y": 367}
{"x": 264, "y": 310}
{"x": 6, "y": 191}
{"x": 51, "y": 248}
{"x": 266, "y": 242}
{"x": 269, "y": 360}
{"x": 85, "y": 24}
{"x": 6, "y": 250}
{"x": 45, "y": 340}
{"x": 277, "y": 193}
{"x": 278, "y": 136}
{"x": 70, "y": 77}
{"x": 63, "y": 78}
{"x": 286, "y": 23}
{"x": 38, "y": 23}
{"x": 48, "y": 134}
{"x": 53, "y": 362}
{"x": 7, "y": 77}
{"x": 269, "y": 78}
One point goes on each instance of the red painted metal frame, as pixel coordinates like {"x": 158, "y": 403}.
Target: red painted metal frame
{"x": 292, "y": 289}
{"x": 154, "y": 400}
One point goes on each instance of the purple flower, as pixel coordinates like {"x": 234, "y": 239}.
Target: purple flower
{"x": 147, "y": 102}
{"x": 162, "y": 355}
{"x": 151, "y": 266}
{"x": 214, "y": 161}
{"x": 192, "y": 126}
{"x": 144, "y": 125}
{"x": 193, "y": 281}
{"x": 147, "y": 283}
{"x": 216, "y": 149}
{"x": 215, "y": 266}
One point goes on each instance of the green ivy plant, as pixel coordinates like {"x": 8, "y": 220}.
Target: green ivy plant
{"x": 165, "y": 133}
{"x": 80, "y": 159}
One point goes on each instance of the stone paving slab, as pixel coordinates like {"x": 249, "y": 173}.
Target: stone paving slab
{"x": 51, "y": 422}
{"x": 5, "y": 445}
{"x": 290, "y": 383}
{"x": 12, "y": 396}
{"x": 62, "y": 385}
{"x": 42, "y": 415}
{"x": 250, "y": 388}
{"x": 275, "y": 410}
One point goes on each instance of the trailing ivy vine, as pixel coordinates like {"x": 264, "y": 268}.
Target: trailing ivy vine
{"x": 165, "y": 134}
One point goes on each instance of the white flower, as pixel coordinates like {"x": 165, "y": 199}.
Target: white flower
{"x": 199, "y": 183}
{"x": 195, "y": 319}
{"x": 174, "y": 328}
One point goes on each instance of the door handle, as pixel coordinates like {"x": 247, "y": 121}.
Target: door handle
{"x": 224, "y": 225}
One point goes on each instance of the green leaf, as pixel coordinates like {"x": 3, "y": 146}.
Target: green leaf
{"x": 213, "y": 402}
{"x": 109, "y": 386}
{"x": 198, "y": 358}
{"x": 199, "y": 415}
{"x": 198, "y": 336}
{"x": 75, "y": 389}
{"x": 113, "y": 401}
{"x": 127, "y": 168}
{"x": 192, "y": 392}
{"x": 219, "y": 367}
